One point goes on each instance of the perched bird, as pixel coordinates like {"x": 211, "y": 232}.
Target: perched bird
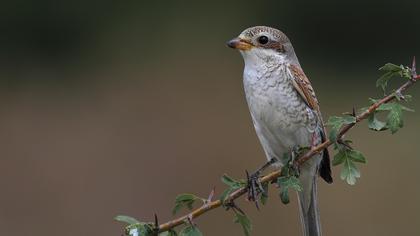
{"x": 284, "y": 110}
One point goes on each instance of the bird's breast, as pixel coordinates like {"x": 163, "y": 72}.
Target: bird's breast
{"x": 273, "y": 100}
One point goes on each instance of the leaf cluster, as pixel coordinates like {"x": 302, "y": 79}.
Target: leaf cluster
{"x": 288, "y": 180}
{"x": 394, "y": 119}
{"x": 347, "y": 156}
{"x": 232, "y": 184}
{"x": 185, "y": 200}
{"x": 391, "y": 70}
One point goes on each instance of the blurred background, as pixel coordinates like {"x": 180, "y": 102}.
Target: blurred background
{"x": 115, "y": 107}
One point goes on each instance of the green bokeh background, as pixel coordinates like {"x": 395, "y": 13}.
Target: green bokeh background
{"x": 113, "y": 108}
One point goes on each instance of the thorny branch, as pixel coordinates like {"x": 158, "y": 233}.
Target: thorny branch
{"x": 210, "y": 205}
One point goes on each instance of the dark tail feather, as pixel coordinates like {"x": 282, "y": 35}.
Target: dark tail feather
{"x": 325, "y": 166}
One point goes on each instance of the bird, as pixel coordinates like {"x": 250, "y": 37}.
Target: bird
{"x": 285, "y": 111}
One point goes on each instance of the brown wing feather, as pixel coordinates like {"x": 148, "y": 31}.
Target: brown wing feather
{"x": 304, "y": 88}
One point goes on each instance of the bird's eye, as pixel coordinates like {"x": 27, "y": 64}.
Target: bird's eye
{"x": 263, "y": 39}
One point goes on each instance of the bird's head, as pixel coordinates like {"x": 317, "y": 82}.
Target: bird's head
{"x": 261, "y": 44}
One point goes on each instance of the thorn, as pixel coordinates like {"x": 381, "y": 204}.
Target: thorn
{"x": 342, "y": 142}
{"x": 156, "y": 222}
{"x": 353, "y": 113}
{"x": 236, "y": 208}
{"x": 399, "y": 95}
{"x": 413, "y": 68}
{"x": 156, "y": 228}
{"x": 211, "y": 195}
{"x": 190, "y": 219}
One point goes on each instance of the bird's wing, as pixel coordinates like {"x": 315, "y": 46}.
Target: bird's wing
{"x": 303, "y": 86}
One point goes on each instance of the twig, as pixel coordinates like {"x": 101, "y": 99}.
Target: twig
{"x": 274, "y": 175}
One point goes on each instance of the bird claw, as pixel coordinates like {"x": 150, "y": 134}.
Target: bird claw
{"x": 255, "y": 187}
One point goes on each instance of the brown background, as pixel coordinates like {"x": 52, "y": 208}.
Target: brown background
{"x": 115, "y": 108}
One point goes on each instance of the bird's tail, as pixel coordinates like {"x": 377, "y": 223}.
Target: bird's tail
{"x": 309, "y": 212}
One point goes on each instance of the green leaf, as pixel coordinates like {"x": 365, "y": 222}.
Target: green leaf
{"x": 226, "y": 194}
{"x": 391, "y": 105}
{"x": 395, "y": 116}
{"x": 339, "y": 158}
{"x": 347, "y": 157}
{"x": 336, "y": 122}
{"x": 139, "y": 229}
{"x": 190, "y": 231}
{"x": 233, "y": 183}
{"x": 349, "y": 172}
{"x": 244, "y": 221}
{"x": 389, "y": 67}
{"x": 233, "y": 186}
{"x": 126, "y": 219}
{"x": 346, "y": 153}
{"x": 375, "y": 124}
{"x": 356, "y": 156}
{"x": 394, "y": 119}
{"x": 391, "y": 70}
{"x": 264, "y": 194}
{"x": 288, "y": 182}
{"x": 170, "y": 232}
{"x": 184, "y": 200}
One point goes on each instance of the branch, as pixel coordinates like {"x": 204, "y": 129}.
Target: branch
{"x": 210, "y": 205}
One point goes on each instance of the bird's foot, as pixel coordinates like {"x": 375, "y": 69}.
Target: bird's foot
{"x": 254, "y": 183}
{"x": 254, "y": 187}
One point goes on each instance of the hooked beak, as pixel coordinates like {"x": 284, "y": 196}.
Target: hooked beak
{"x": 241, "y": 44}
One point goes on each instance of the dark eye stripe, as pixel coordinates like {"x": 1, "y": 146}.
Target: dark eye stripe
{"x": 274, "y": 45}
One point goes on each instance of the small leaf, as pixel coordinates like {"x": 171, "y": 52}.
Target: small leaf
{"x": 389, "y": 67}
{"x": 349, "y": 172}
{"x": 375, "y": 124}
{"x": 229, "y": 181}
{"x": 356, "y": 156}
{"x": 395, "y": 117}
{"x": 264, "y": 194}
{"x": 345, "y": 153}
{"x": 233, "y": 183}
{"x": 391, "y": 105}
{"x": 244, "y": 221}
{"x": 184, "y": 200}
{"x": 226, "y": 194}
{"x": 392, "y": 70}
{"x": 126, "y": 219}
{"x": 288, "y": 182}
{"x": 190, "y": 231}
{"x": 170, "y": 232}
{"x": 336, "y": 122}
{"x": 395, "y": 121}
{"x": 139, "y": 229}
{"x": 284, "y": 196}
{"x": 339, "y": 158}
{"x": 347, "y": 157}
{"x": 233, "y": 186}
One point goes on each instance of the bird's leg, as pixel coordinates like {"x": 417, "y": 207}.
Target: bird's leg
{"x": 313, "y": 141}
{"x": 294, "y": 153}
{"x": 254, "y": 185}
